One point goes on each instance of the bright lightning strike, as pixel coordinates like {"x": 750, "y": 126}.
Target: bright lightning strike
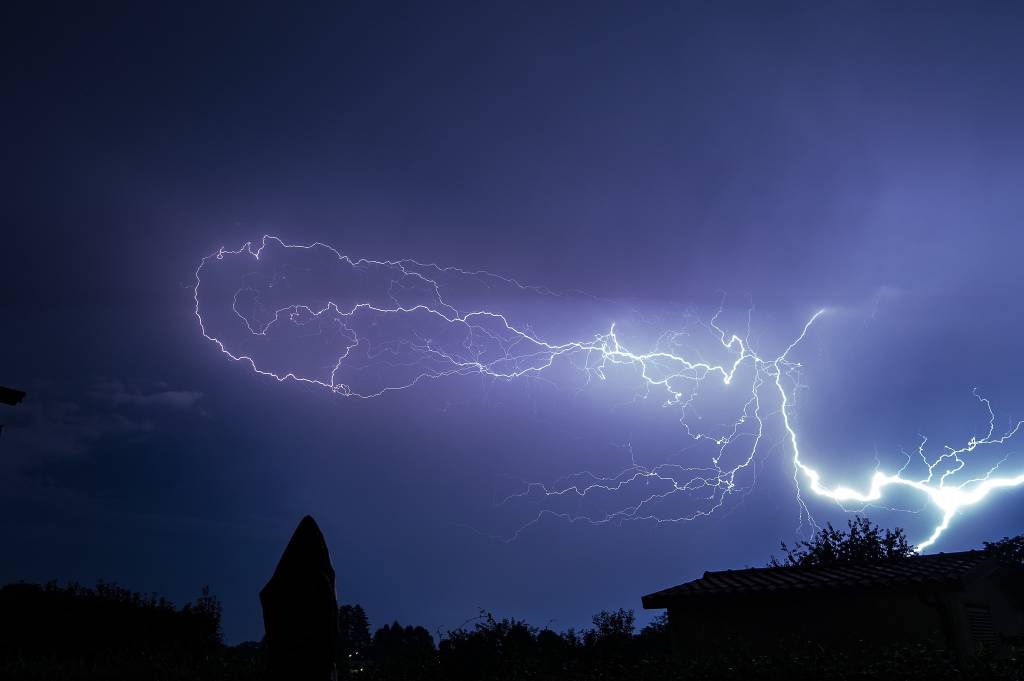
{"x": 362, "y": 328}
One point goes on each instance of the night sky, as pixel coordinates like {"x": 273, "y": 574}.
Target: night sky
{"x": 864, "y": 158}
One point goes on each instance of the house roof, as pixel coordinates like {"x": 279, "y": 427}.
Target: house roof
{"x": 940, "y": 569}
{"x": 10, "y": 396}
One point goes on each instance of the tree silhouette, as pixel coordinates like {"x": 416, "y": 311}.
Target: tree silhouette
{"x": 354, "y": 639}
{"x": 863, "y": 542}
{"x": 1010, "y": 549}
{"x": 614, "y": 624}
{"x": 404, "y": 652}
{"x": 655, "y": 640}
{"x": 92, "y": 629}
{"x": 610, "y": 642}
{"x": 491, "y": 649}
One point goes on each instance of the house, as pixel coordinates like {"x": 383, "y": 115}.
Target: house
{"x": 10, "y": 397}
{"x": 957, "y": 601}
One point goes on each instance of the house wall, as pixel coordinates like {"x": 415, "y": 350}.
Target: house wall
{"x": 766, "y": 621}
{"x": 989, "y": 613}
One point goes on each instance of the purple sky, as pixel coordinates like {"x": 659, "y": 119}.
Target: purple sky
{"x": 855, "y": 156}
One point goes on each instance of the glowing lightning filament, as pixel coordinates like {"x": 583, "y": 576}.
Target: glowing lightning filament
{"x": 388, "y": 325}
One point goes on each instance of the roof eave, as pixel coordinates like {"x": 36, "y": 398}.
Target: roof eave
{"x": 655, "y": 601}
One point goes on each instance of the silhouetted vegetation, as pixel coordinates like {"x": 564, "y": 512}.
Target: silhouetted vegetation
{"x": 507, "y": 649}
{"x": 354, "y": 639}
{"x": 75, "y": 632}
{"x": 107, "y": 632}
{"x": 862, "y": 542}
{"x": 404, "y": 652}
{"x": 1010, "y": 549}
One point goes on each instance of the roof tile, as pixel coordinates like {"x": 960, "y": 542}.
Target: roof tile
{"x": 939, "y": 568}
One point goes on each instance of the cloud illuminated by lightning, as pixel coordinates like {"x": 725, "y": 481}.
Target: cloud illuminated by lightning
{"x": 362, "y": 328}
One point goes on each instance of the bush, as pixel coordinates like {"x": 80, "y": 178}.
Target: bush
{"x": 74, "y": 632}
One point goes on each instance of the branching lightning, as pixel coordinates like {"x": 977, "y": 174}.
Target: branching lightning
{"x": 362, "y": 328}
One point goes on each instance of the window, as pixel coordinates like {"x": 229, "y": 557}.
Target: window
{"x": 979, "y": 622}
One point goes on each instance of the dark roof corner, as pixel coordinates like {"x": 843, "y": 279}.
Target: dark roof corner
{"x": 10, "y": 396}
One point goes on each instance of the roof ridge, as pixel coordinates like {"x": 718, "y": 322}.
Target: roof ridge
{"x": 939, "y": 568}
{"x": 838, "y": 564}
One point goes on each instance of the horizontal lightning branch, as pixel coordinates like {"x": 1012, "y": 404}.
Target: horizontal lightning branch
{"x": 362, "y": 328}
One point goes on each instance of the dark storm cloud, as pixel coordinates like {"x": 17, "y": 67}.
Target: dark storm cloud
{"x": 56, "y": 424}
{"x": 806, "y": 154}
{"x": 53, "y": 427}
{"x": 117, "y": 394}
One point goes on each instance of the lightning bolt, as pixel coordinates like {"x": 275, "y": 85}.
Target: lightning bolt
{"x": 389, "y": 325}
